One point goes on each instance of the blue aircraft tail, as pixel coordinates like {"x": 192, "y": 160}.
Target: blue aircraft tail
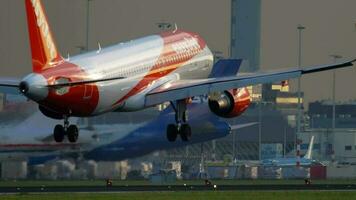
{"x": 225, "y": 67}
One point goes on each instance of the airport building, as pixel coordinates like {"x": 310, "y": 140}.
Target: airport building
{"x": 337, "y": 144}
{"x": 321, "y": 115}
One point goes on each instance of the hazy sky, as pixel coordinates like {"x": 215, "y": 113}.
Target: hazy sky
{"x": 330, "y": 30}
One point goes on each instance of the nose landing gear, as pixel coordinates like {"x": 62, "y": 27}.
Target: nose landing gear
{"x": 181, "y": 127}
{"x": 71, "y": 131}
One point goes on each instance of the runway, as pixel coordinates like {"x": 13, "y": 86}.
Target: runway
{"x": 93, "y": 189}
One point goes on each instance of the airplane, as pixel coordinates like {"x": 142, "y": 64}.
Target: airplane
{"x": 305, "y": 161}
{"x": 32, "y": 140}
{"x": 172, "y": 66}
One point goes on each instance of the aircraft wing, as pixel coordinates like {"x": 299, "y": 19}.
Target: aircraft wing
{"x": 188, "y": 88}
{"x": 9, "y": 85}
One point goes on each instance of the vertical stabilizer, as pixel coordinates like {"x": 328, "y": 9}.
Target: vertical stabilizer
{"x": 308, "y": 155}
{"x": 43, "y": 49}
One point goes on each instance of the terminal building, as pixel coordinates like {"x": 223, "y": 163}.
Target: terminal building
{"x": 337, "y": 144}
{"x": 321, "y": 113}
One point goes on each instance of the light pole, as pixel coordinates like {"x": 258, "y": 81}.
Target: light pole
{"x": 335, "y": 57}
{"x": 233, "y": 146}
{"x": 234, "y": 143}
{"x": 299, "y": 115}
{"x": 202, "y": 162}
{"x": 300, "y": 29}
{"x": 86, "y": 47}
{"x": 285, "y": 142}
{"x": 260, "y": 129}
{"x": 87, "y": 25}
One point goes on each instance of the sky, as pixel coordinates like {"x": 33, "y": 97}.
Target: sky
{"x": 330, "y": 29}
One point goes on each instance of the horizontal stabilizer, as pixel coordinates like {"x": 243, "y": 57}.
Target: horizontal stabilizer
{"x": 240, "y": 126}
{"x": 225, "y": 67}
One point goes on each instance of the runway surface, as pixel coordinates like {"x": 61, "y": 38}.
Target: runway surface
{"x": 177, "y": 188}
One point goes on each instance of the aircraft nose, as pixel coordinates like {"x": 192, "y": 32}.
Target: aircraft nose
{"x": 34, "y": 86}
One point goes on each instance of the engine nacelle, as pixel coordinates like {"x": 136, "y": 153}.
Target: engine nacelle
{"x": 49, "y": 113}
{"x": 231, "y": 103}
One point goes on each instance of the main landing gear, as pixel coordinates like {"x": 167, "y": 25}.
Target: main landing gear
{"x": 71, "y": 131}
{"x": 181, "y": 127}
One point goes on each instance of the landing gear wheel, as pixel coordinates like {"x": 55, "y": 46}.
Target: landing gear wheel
{"x": 72, "y": 133}
{"x": 181, "y": 118}
{"x": 58, "y": 133}
{"x": 172, "y": 132}
{"x": 185, "y": 132}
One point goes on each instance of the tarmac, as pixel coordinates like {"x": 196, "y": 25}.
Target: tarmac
{"x": 167, "y": 188}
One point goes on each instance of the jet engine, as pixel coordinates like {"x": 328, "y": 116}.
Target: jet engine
{"x": 230, "y": 103}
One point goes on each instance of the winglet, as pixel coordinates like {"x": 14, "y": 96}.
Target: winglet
{"x": 43, "y": 49}
{"x": 343, "y": 64}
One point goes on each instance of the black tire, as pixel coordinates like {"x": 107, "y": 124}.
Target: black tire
{"x": 72, "y": 133}
{"x": 172, "y": 132}
{"x": 185, "y": 132}
{"x": 58, "y": 133}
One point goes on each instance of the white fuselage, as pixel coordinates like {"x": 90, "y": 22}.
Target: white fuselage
{"x": 141, "y": 65}
{"x": 135, "y": 60}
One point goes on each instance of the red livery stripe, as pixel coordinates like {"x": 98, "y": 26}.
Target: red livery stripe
{"x": 174, "y": 54}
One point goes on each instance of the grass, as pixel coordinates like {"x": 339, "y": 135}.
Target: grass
{"x": 305, "y": 195}
{"x": 40, "y": 183}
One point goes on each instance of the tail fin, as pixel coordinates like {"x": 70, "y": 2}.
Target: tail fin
{"x": 43, "y": 49}
{"x": 308, "y": 155}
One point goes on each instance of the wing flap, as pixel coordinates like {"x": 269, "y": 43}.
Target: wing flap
{"x": 241, "y": 126}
